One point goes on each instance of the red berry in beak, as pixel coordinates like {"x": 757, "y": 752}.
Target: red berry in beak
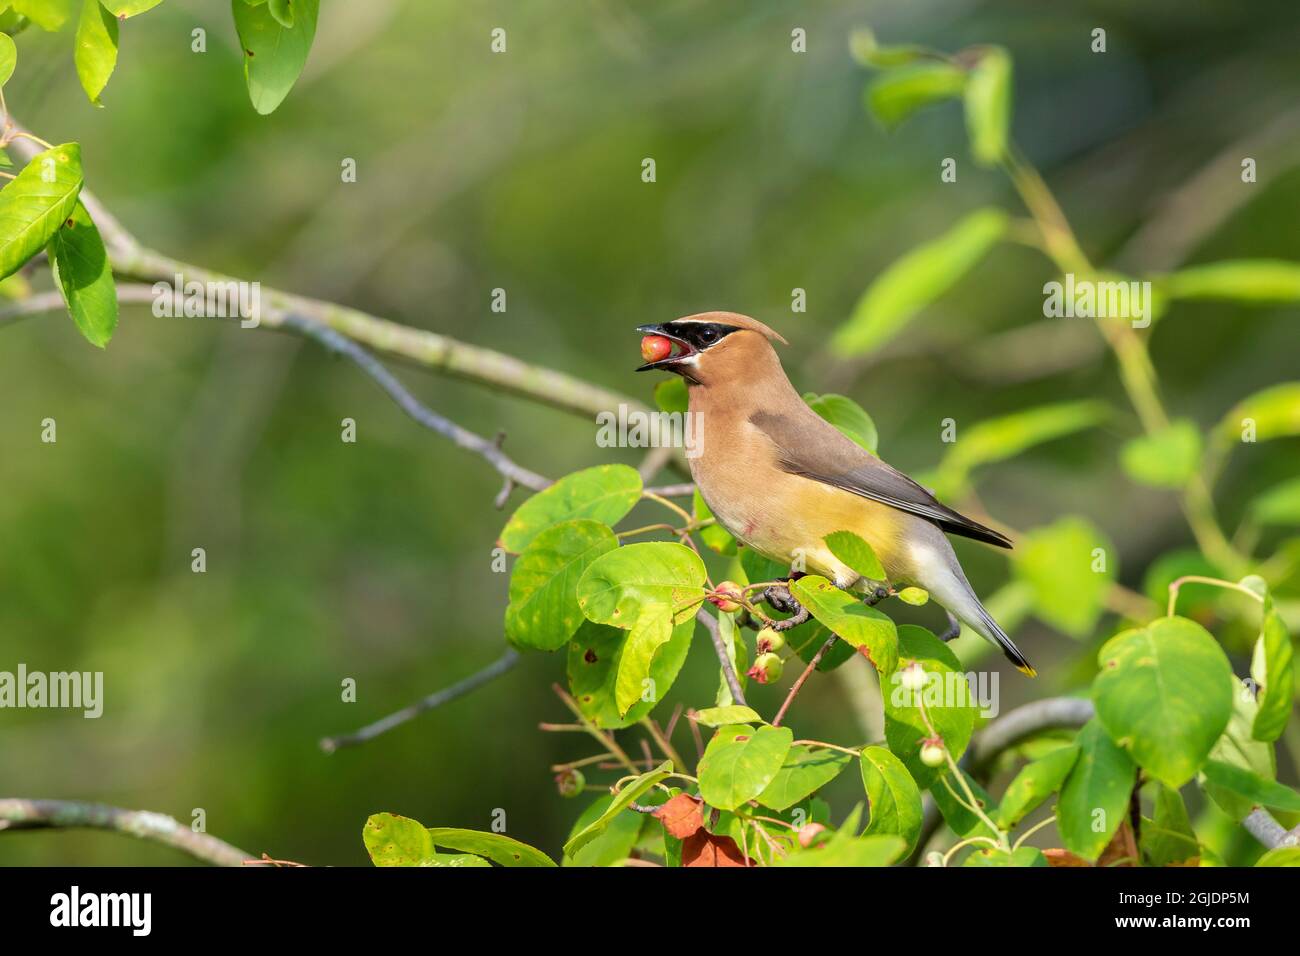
{"x": 656, "y": 347}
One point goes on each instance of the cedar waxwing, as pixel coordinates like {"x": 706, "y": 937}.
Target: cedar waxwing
{"x": 780, "y": 478}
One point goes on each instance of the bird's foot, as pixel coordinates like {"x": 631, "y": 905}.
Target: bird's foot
{"x": 954, "y": 628}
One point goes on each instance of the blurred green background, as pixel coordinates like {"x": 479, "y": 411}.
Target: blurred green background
{"x": 522, "y": 171}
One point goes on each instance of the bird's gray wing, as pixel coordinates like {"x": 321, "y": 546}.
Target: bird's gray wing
{"x": 812, "y": 448}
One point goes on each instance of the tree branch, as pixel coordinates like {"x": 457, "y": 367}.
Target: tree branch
{"x": 498, "y": 667}
{"x": 21, "y": 814}
{"x": 724, "y": 658}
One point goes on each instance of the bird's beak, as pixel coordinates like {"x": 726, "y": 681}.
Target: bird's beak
{"x": 669, "y": 363}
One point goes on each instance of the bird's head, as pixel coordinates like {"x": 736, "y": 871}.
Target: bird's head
{"x": 708, "y": 347}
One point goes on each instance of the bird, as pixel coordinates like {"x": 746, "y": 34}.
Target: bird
{"x": 780, "y": 478}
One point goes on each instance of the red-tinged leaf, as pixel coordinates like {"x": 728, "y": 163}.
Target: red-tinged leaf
{"x": 1057, "y": 857}
{"x": 682, "y": 816}
{"x": 705, "y": 849}
{"x": 1122, "y": 849}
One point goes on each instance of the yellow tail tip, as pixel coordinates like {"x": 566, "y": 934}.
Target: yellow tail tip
{"x": 1027, "y": 670}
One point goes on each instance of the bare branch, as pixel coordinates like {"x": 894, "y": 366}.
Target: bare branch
{"x": 724, "y": 658}
{"x": 22, "y": 814}
{"x": 498, "y": 667}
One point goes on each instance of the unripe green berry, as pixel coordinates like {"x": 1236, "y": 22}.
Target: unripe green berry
{"x": 767, "y": 669}
{"x": 770, "y": 641}
{"x": 932, "y": 753}
{"x": 570, "y": 782}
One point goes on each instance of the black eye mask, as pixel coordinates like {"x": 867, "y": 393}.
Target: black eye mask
{"x": 699, "y": 335}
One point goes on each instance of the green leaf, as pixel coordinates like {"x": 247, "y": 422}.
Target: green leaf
{"x": 1271, "y": 413}
{"x": 853, "y": 621}
{"x": 1242, "y": 280}
{"x": 392, "y": 840}
{"x": 84, "y": 276}
{"x": 1280, "y": 505}
{"x": 593, "y": 666}
{"x": 1274, "y": 672}
{"x": 130, "y": 8}
{"x": 805, "y": 771}
{"x": 988, "y": 106}
{"x": 1168, "y": 839}
{"x": 615, "y": 841}
{"x": 499, "y": 849}
{"x": 894, "y": 799}
{"x": 605, "y": 493}
{"x": 807, "y": 639}
{"x": 646, "y": 588}
{"x": 895, "y": 95}
{"x": 856, "y": 553}
{"x": 848, "y": 416}
{"x": 1070, "y": 566}
{"x": 731, "y": 714}
{"x": 737, "y": 653}
{"x": 866, "y": 51}
{"x": 274, "y": 54}
{"x": 543, "y": 612}
{"x": 671, "y": 395}
{"x": 742, "y": 764}
{"x": 8, "y": 58}
{"x": 1034, "y": 783}
{"x": 1238, "y": 748}
{"x": 47, "y": 14}
{"x": 1260, "y": 791}
{"x": 96, "y": 48}
{"x": 621, "y": 801}
{"x": 715, "y": 537}
{"x": 993, "y": 856}
{"x": 915, "y": 280}
{"x": 37, "y": 203}
{"x": 1167, "y": 459}
{"x": 959, "y": 817}
{"x": 1282, "y": 856}
{"x": 282, "y": 10}
{"x": 1164, "y": 694}
{"x": 849, "y": 851}
{"x": 1095, "y": 798}
{"x": 997, "y": 439}
{"x": 945, "y": 695}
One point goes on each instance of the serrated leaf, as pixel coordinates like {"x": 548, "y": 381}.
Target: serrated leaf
{"x": 95, "y": 53}
{"x": 846, "y": 615}
{"x": 619, "y": 584}
{"x": 946, "y": 698}
{"x": 847, "y": 416}
{"x": 37, "y": 203}
{"x": 856, "y": 553}
{"x": 742, "y": 765}
{"x": 83, "y": 275}
{"x": 805, "y": 771}
{"x": 1167, "y": 459}
{"x": 1070, "y": 566}
{"x": 988, "y": 106}
{"x": 593, "y": 666}
{"x": 895, "y": 95}
{"x": 543, "y": 612}
{"x": 621, "y": 801}
{"x": 1164, "y": 694}
{"x": 274, "y": 54}
{"x": 894, "y": 800}
{"x": 1034, "y": 783}
{"x": 605, "y": 493}
{"x": 915, "y": 280}
{"x": 1095, "y": 798}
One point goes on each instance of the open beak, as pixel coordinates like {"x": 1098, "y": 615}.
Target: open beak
{"x": 669, "y": 362}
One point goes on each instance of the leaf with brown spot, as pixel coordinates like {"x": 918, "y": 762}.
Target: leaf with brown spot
{"x": 704, "y": 849}
{"x": 682, "y": 816}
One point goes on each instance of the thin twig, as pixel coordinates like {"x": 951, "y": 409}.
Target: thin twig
{"x": 794, "y": 690}
{"x": 724, "y": 658}
{"x": 498, "y": 667}
{"x": 23, "y": 814}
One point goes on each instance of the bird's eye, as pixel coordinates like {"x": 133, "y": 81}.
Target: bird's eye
{"x": 708, "y": 336}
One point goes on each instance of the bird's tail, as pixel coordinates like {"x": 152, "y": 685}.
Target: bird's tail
{"x": 983, "y": 623}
